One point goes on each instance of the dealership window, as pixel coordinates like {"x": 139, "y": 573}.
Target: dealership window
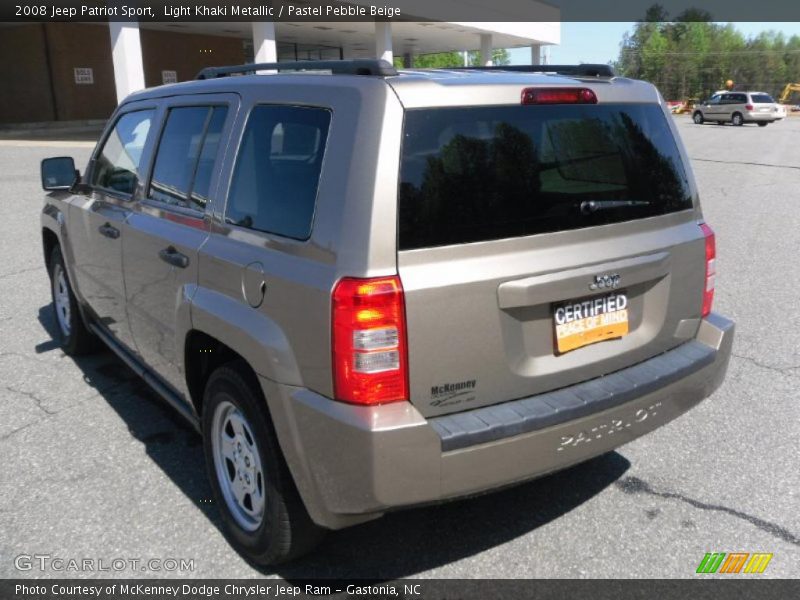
{"x": 274, "y": 187}
{"x": 186, "y": 155}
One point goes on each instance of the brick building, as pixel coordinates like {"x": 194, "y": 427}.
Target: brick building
{"x": 76, "y": 71}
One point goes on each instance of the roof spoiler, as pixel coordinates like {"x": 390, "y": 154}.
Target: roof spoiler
{"x": 585, "y": 70}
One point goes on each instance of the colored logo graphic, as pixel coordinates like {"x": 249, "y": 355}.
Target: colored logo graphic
{"x": 734, "y": 562}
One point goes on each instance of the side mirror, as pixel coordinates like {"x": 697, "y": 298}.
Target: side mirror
{"x": 59, "y": 173}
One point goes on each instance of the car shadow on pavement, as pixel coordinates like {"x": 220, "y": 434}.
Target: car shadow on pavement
{"x": 168, "y": 440}
{"x": 406, "y": 543}
{"x": 401, "y": 544}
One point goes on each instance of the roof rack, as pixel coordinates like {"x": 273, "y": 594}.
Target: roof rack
{"x": 361, "y": 66}
{"x": 585, "y": 70}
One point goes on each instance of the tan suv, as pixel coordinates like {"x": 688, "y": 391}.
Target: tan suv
{"x": 738, "y": 108}
{"x": 371, "y": 290}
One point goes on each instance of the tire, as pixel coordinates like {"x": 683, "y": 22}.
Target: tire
{"x": 263, "y": 516}
{"x": 737, "y": 119}
{"x": 72, "y": 334}
{"x": 698, "y": 118}
{"x": 762, "y": 124}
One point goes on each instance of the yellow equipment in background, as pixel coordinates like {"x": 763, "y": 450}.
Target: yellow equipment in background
{"x": 684, "y": 107}
{"x": 787, "y": 92}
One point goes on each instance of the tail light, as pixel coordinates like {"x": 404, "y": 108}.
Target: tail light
{"x": 369, "y": 341}
{"x": 558, "y": 96}
{"x": 711, "y": 268}
{"x": 748, "y": 107}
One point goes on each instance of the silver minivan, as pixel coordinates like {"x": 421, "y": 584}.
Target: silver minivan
{"x": 371, "y": 289}
{"x": 738, "y": 108}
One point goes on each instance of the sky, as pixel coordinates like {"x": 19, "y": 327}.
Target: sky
{"x": 599, "y": 42}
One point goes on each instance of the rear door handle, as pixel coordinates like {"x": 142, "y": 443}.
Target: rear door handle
{"x": 172, "y": 257}
{"x": 109, "y": 231}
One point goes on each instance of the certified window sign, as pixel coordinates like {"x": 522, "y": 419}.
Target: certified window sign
{"x": 84, "y": 75}
{"x": 587, "y": 321}
{"x": 169, "y": 77}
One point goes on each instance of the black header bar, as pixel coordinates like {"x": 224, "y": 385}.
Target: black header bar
{"x": 21, "y": 11}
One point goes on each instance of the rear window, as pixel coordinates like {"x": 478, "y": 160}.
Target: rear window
{"x": 486, "y": 173}
{"x": 762, "y": 99}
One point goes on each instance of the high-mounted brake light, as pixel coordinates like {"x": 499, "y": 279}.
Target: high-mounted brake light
{"x": 558, "y": 96}
{"x": 369, "y": 341}
{"x": 711, "y": 269}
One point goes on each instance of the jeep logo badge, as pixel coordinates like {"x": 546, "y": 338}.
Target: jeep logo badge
{"x": 605, "y": 282}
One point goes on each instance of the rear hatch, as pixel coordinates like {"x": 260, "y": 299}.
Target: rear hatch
{"x": 763, "y": 103}
{"x": 541, "y": 246}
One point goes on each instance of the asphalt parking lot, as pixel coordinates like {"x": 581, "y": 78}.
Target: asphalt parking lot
{"x": 95, "y": 467}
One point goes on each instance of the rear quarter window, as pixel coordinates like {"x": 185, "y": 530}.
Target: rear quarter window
{"x": 486, "y": 173}
{"x": 278, "y": 169}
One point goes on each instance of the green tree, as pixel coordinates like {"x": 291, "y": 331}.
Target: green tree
{"x": 691, "y": 56}
{"x": 443, "y": 60}
{"x": 434, "y": 61}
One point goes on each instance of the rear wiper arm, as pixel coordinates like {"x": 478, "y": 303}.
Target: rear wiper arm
{"x": 592, "y": 206}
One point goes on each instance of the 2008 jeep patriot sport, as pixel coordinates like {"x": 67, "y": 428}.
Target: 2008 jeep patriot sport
{"x": 372, "y": 290}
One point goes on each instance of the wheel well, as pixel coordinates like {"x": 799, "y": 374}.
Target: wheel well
{"x": 49, "y": 241}
{"x": 204, "y": 354}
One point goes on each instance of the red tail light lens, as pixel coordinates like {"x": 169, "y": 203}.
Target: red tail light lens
{"x": 558, "y": 96}
{"x": 711, "y": 269}
{"x": 369, "y": 341}
{"x": 748, "y": 107}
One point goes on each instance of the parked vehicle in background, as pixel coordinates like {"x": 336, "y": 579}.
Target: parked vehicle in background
{"x": 371, "y": 290}
{"x": 737, "y": 108}
{"x": 682, "y": 107}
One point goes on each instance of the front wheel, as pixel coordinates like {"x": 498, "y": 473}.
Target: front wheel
{"x": 263, "y": 515}
{"x": 75, "y": 338}
{"x": 698, "y": 118}
{"x": 737, "y": 119}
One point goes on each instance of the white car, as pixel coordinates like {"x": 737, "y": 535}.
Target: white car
{"x": 737, "y": 108}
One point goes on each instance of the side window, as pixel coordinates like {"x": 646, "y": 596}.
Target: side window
{"x": 186, "y": 154}
{"x": 117, "y": 166}
{"x": 275, "y": 183}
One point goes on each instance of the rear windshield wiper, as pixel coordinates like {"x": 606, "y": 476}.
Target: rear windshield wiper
{"x": 592, "y": 206}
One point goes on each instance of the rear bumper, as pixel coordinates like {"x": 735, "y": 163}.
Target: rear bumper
{"x": 352, "y": 464}
{"x": 755, "y": 117}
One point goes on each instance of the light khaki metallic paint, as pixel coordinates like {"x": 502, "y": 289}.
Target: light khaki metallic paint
{"x": 473, "y": 309}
